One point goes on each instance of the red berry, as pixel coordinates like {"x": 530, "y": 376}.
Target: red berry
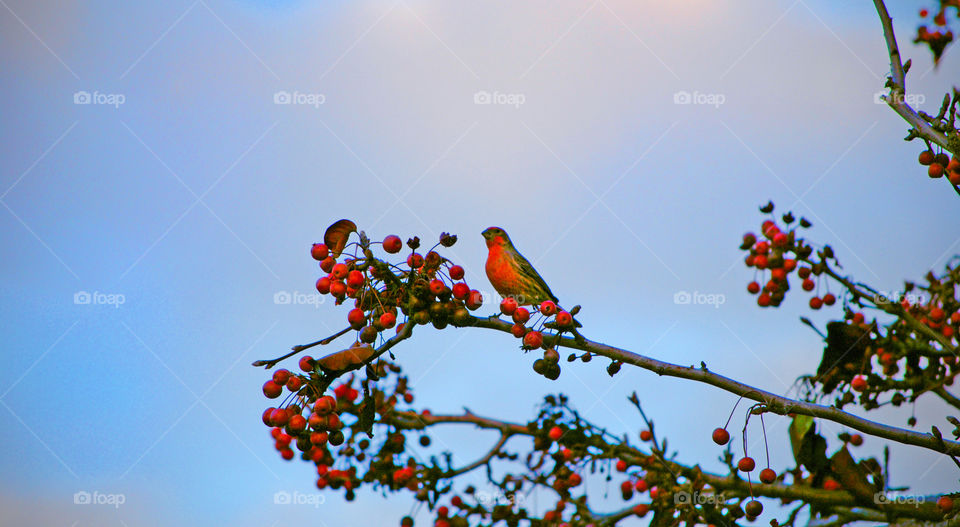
{"x": 327, "y": 264}
{"x": 356, "y": 318}
{"x": 508, "y": 306}
{"x": 338, "y": 288}
{"x": 564, "y": 319}
{"x": 859, "y": 383}
{"x": 517, "y": 330}
{"x": 521, "y": 315}
{"x": 768, "y": 476}
{"x": 789, "y": 265}
{"x": 753, "y": 508}
{"x": 355, "y": 279}
{"x": 415, "y": 260}
{"x": 456, "y": 272}
{"x": 803, "y": 272}
{"x": 760, "y": 261}
{"x": 763, "y": 300}
{"x": 721, "y": 436}
{"x": 816, "y": 303}
{"x": 340, "y": 271}
{"x": 392, "y": 244}
{"x": 856, "y": 440}
{"x": 533, "y": 340}
{"x": 306, "y": 363}
{"x": 319, "y": 251}
{"x": 297, "y": 423}
{"x": 746, "y": 464}
{"x": 780, "y": 240}
{"x": 641, "y": 485}
{"x": 271, "y": 389}
{"x": 443, "y": 511}
{"x": 388, "y": 319}
{"x": 323, "y": 285}
{"x": 555, "y": 433}
{"x": 622, "y": 465}
{"x": 281, "y": 376}
{"x": 437, "y": 287}
{"x": 945, "y": 504}
{"x": 923, "y": 14}
{"x": 641, "y": 509}
{"x": 456, "y": 501}
{"x": 829, "y": 299}
{"x": 935, "y": 170}
{"x": 830, "y": 484}
{"x": 626, "y": 490}
{"x": 954, "y": 177}
{"x": 646, "y": 435}
{"x": 808, "y": 284}
{"x": 287, "y": 454}
{"x": 753, "y": 288}
{"x": 294, "y": 383}
{"x": 548, "y": 308}
{"x": 325, "y": 405}
{"x": 279, "y": 417}
{"x": 926, "y": 157}
{"x": 460, "y": 290}
{"x": 266, "y": 416}
{"x": 474, "y": 300}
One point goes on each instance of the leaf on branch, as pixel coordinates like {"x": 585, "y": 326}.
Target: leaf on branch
{"x": 347, "y": 359}
{"x": 851, "y": 475}
{"x": 809, "y": 447}
{"x": 367, "y": 415}
{"x": 337, "y": 234}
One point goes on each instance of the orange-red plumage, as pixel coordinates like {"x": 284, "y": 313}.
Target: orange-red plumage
{"x": 510, "y": 273}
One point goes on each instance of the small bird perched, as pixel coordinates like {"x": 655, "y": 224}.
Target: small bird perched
{"x": 510, "y": 273}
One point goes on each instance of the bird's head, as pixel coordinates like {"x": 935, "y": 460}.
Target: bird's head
{"x": 496, "y": 236}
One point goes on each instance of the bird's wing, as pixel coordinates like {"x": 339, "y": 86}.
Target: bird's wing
{"x": 526, "y": 269}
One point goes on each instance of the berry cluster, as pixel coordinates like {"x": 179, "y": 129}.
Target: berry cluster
{"x": 547, "y": 315}
{"x": 939, "y": 165}
{"x": 934, "y": 31}
{"x": 777, "y": 255}
{"x": 426, "y": 288}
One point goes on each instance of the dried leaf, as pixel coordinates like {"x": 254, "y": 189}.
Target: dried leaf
{"x": 337, "y": 234}
{"x": 347, "y": 359}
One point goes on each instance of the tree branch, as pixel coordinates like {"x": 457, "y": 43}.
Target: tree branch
{"x": 775, "y": 403}
{"x": 895, "y": 99}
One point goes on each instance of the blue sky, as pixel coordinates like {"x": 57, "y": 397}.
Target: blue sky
{"x": 196, "y": 199}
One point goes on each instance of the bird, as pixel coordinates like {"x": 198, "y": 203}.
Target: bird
{"x": 511, "y": 274}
